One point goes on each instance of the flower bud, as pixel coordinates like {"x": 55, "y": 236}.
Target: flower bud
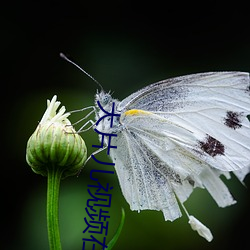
{"x": 55, "y": 143}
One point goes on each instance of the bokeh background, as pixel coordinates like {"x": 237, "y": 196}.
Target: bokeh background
{"x": 125, "y": 45}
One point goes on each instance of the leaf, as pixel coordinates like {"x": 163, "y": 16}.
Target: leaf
{"x": 117, "y": 234}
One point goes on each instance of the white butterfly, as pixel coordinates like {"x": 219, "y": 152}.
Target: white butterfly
{"x": 178, "y": 134}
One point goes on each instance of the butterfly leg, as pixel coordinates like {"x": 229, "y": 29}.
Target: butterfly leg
{"x": 94, "y": 153}
{"x": 81, "y": 129}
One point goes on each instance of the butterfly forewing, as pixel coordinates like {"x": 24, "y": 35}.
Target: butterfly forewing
{"x": 212, "y": 106}
{"x": 175, "y": 93}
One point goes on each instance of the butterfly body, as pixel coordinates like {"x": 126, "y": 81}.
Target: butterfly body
{"x": 178, "y": 134}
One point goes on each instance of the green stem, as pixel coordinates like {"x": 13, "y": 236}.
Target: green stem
{"x": 118, "y": 232}
{"x": 54, "y": 177}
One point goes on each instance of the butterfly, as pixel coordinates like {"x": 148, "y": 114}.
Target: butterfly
{"x": 176, "y": 135}
{"x": 179, "y": 134}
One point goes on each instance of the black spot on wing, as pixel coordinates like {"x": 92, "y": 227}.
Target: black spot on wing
{"x": 233, "y": 119}
{"x": 212, "y": 146}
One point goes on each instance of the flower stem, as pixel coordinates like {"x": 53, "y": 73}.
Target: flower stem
{"x": 53, "y": 185}
{"x": 118, "y": 232}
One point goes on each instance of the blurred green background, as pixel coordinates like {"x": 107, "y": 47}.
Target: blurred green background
{"x": 125, "y": 47}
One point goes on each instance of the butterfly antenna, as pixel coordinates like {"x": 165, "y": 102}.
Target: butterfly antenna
{"x": 90, "y": 76}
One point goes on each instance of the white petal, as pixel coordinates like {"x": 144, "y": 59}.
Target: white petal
{"x": 51, "y": 114}
{"x": 200, "y": 228}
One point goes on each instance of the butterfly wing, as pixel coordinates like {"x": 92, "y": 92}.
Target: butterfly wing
{"x": 179, "y": 134}
{"x": 137, "y": 177}
{"x": 173, "y": 93}
{"x": 213, "y": 106}
{"x": 152, "y": 168}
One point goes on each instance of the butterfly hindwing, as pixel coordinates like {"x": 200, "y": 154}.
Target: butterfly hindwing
{"x": 153, "y": 166}
{"x": 141, "y": 184}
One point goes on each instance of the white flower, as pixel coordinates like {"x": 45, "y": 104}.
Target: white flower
{"x": 50, "y": 114}
{"x": 56, "y": 143}
{"x": 200, "y": 228}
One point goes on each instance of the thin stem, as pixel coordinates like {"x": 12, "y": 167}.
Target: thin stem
{"x": 118, "y": 232}
{"x": 54, "y": 177}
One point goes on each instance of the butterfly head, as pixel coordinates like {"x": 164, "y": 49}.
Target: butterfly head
{"x": 105, "y": 106}
{"x": 104, "y": 99}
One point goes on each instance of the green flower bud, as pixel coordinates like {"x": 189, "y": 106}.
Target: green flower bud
{"x": 55, "y": 143}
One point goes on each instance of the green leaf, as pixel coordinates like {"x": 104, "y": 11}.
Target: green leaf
{"x": 117, "y": 234}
